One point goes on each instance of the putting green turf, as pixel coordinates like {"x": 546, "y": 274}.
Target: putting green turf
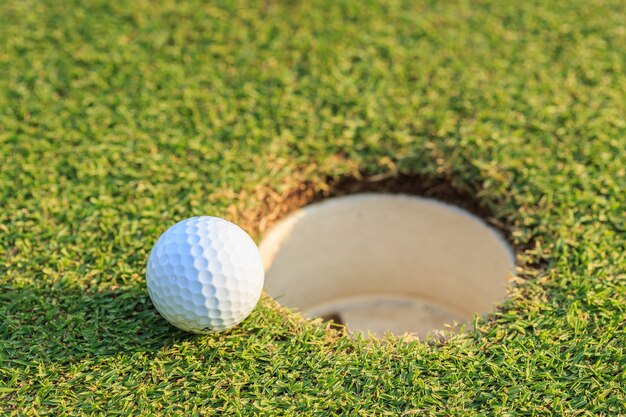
{"x": 116, "y": 120}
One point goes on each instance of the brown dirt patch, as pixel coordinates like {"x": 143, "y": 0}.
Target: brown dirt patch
{"x": 273, "y": 205}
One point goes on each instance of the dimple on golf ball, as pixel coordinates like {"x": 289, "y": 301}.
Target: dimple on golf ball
{"x": 204, "y": 274}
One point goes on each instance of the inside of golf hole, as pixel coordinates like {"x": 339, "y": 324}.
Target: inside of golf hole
{"x": 380, "y": 263}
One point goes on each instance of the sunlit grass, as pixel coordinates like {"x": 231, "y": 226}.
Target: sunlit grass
{"x": 118, "y": 119}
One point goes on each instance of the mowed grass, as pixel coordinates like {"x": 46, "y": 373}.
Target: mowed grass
{"x": 118, "y": 119}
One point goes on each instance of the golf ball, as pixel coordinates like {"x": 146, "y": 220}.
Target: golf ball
{"x": 204, "y": 274}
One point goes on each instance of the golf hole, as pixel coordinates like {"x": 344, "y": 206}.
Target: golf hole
{"x": 380, "y": 263}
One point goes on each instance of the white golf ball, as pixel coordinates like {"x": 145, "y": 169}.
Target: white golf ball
{"x": 204, "y": 274}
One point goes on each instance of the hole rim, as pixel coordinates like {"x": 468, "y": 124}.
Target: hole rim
{"x": 494, "y": 238}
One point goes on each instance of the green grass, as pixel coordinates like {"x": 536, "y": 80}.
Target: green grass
{"x": 116, "y": 120}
